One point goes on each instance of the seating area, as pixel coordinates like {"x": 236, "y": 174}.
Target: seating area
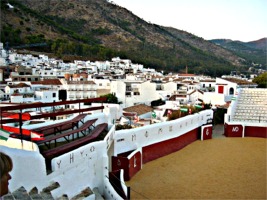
{"x": 83, "y": 129}
{"x": 64, "y": 148}
{"x": 59, "y": 127}
{"x": 251, "y": 106}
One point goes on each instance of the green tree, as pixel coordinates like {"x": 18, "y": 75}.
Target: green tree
{"x": 111, "y": 98}
{"x": 261, "y": 80}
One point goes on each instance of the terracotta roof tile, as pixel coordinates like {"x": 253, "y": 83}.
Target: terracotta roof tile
{"x": 47, "y": 82}
{"x": 239, "y": 81}
{"x": 20, "y": 85}
{"x": 81, "y": 82}
{"x": 139, "y": 109}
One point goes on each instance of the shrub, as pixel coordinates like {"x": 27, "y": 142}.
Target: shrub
{"x": 125, "y": 126}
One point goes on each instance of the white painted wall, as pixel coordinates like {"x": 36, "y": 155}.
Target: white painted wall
{"x": 88, "y": 166}
{"x": 131, "y": 139}
{"x": 213, "y": 98}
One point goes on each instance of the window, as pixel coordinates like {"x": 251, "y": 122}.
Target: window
{"x": 54, "y": 94}
{"x": 231, "y": 91}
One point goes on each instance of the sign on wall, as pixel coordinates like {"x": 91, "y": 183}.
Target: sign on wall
{"x": 233, "y": 130}
{"x": 206, "y": 132}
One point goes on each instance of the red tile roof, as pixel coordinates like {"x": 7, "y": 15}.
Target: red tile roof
{"x": 239, "y": 81}
{"x": 139, "y": 109}
{"x": 47, "y": 82}
{"x": 20, "y": 85}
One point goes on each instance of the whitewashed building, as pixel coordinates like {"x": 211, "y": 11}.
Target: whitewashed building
{"x": 80, "y": 89}
{"x": 134, "y": 92}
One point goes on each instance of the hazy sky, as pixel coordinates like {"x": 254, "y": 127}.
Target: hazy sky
{"x": 244, "y": 20}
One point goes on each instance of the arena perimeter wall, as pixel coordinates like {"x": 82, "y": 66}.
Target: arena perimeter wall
{"x": 136, "y": 146}
{"x": 245, "y": 130}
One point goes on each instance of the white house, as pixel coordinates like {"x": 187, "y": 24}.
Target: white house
{"x": 19, "y": 93}
{"x": 21, "y": 88}
{"x": 80, "y": 89}
{"x": 47, "y": 84}
{"x": 47, "y": 95}
{"x": 208, "y": 84}
{"x": 134, "y": 92}
{"x": 166, "y": 90}
{"x": 196, "y": 96}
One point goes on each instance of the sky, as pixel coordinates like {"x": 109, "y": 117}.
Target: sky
{"x": 244, "y": 20}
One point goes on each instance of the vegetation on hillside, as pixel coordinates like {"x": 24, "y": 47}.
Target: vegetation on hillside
{"x": 253, "y": 52}
{"x": 261, "y": 80}
{"x": 99, "y": 30}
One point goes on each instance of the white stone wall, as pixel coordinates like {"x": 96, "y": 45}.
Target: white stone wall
{"x": 128, "y": 140}
{"x": 227, "y": 86}
{"x": 213, "y": 98}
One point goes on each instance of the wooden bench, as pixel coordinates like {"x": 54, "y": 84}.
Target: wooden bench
{"x": 51, "y": 153}
{"x": 59, "y": 127}
{"x": 82, "y": 129}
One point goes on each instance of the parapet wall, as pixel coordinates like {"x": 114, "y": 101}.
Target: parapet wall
{"x": 150, "y": 142}
{"x": 243, "y": 129}
{"x": 132, "y": 139}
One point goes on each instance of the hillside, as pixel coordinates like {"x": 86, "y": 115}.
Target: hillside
{"x": 254, "y": 51}
{"x": 99, "y": 30}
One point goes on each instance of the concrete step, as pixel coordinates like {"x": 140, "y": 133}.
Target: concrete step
{"x": 35, "y": 195}
{"x": 45, "y": 194}
{"x": 83, "y": 194}
{"x": 19, "y": 194}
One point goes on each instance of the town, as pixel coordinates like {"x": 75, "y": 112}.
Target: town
{"x": 27, "y": 79}
{"x": 101, "y": 121}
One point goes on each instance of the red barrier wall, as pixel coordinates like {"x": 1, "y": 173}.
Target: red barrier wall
{"x": 253, "y": 131}
{"x": 233, "y": 130}
{"x": 135, "y": 164}
{"x": 164, "y": 148}
{"x": 206, "y": 132}
{"x": 130, "y": 166}
{"x": 236, "y": 130}
{"x": 120, "y": 163}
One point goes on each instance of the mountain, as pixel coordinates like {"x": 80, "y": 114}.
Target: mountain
{"x": 100, "y": 30}
{"x": 254, "y": 51}
{"x": 258, "y": 44}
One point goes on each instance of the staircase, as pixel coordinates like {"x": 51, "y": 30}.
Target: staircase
{"x": 45, "y": 194}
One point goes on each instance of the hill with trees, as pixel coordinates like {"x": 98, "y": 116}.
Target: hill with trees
{"x": 99, "y": 30}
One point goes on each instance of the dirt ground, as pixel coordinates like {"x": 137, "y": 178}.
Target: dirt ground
{"x": 220, "y": 168}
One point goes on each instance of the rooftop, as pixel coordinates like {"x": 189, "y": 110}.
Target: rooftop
{"x": 139, "y": 109}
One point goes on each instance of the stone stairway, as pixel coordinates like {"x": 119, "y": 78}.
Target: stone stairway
{"x": 45, "y": 194}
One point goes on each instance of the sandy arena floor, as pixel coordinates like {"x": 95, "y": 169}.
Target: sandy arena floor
{"x": 220, "y": 168}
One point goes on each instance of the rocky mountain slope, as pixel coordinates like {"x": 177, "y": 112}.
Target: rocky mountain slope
{"x": 254, "y": 51}
{"x": 99, "y": 30}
